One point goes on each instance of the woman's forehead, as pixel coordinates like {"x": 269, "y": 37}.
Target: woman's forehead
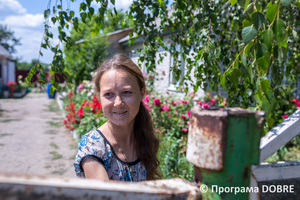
{"x": 118, "y": 77}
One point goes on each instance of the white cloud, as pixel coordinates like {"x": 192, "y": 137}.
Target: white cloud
{"x": 10, "y": 7}
{"x": 120, "y": 4}
{"x": 26, "y": 20}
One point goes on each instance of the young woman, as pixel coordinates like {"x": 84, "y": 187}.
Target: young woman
{"x": 125, "y": 147}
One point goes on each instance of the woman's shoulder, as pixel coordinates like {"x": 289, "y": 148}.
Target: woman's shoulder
{"x": 93, "y": 138}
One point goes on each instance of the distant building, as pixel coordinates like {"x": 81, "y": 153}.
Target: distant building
{"x": 7, "y": 67}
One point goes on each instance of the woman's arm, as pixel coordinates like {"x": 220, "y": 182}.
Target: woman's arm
{"x": 94, "y": 170}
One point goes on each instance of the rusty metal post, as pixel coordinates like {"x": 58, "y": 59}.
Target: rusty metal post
{"x": 222, "y": 145}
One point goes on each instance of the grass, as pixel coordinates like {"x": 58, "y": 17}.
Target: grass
{"x": 55, "y": 155}
{"x": 72, "y": 157}
{"x": 53, "y": 107}
{"x": 59, "y": 171}
{"x": 5, "y": 134}
{"x": 54, "y": 145}
{"x": 9, "y": 120}
{"x": 54, "y": 124}
{"x": 51, "y": 132}
{"x": 73, "y": 146}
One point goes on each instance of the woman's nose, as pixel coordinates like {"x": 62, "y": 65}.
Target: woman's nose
{"x": 118, "y": 101}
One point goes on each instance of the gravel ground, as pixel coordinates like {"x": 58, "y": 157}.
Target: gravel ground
{"x": 33, "y": 140}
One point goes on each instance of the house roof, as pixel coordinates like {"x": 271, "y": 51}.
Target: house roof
{"x": 4, "y": 52}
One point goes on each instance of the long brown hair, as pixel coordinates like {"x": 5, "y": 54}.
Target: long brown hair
{"x": 146, "y": 141}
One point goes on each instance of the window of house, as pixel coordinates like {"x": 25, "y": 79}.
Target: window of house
{"x": 173, "y": 83}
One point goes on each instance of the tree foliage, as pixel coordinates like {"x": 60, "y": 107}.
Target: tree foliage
{"x": 7, "y": 39}
{"x": 247, "y": 47}
{"x": 86, "y": 55}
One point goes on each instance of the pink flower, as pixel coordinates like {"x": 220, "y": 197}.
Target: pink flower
{"x": 188, "y": 113}
{"x": 191, "y": 94}
{"x": 208, "y": 94}
{"x": 199, "y": 103}
{"x": 169, "y": 115}
{"x": 188, "y": 122}
{"x": 157, "y": 102}
{"x": 183, "y": 116}
{"x": 80, "y": 87}
{"x": 205, "y": 105}
{"x": 147, "y": 97}
{"x": 174, "y": 103}
{"x": 285, "y": 116}
{"x": 212, "y": 101}
{"x": 184, "y": 129}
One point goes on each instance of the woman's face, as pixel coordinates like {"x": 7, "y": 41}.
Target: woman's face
{"x": 120, "y": 96}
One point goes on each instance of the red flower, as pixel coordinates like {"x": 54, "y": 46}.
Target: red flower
{"x": 285, "y": 116}
{"x": 157, "y": 102}
{"x": 184, "y": 129}
{"x": 70, "y": 95}
{"x": 146, "y": 97}
{"x": 200, "y": 103}
{"x": 174, "y": 103}
{"x": 183, "y": 116}
{"x": 188, "y": 113}
{"x": 80, "y": 113}
{"x": 163, "y": 72}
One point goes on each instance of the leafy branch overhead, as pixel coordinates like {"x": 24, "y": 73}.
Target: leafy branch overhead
{"x": 245, "y": 47}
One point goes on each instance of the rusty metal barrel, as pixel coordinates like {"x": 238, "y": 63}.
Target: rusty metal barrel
{"x": 222, "y": 145}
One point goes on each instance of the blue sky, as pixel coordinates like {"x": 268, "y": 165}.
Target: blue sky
{"x": 25, "y": 18}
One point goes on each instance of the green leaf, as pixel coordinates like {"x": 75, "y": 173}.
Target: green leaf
{"x": 52, "y": 89}
{"x": 250, "y": 9}
{"x": 258, "y": 96}
{"x": 112, "y": 1}
{"x": 91, "y": 10}
{"x": 233, "y": 2}
{"x": 267, "y": 37}
{"x": 83, "y": 16}
{"x": 271, "y": 12}
{"x": 295, "y": 35}
{"x": 222, "y": 81}
{"x": 286, "y": 3}
{"x": 257, "y": 19}
{"x": 46, "y": 13}
{"x": 244, "y": 59}
{"x": 236, "y": 64}
{"x": 82, "y": 6}
{"x": 265, "y": 85}
{"x": 243, "y": 3}
{"x": 263, "y": 64}
{"x": 279, "y": 30}
{"x": 260, "y": 50}
{"x": 248, "y": 34}
{"x": 247, "y": 50}
{"x": 270, "y": 122}
{"x": 246, "y": 23}
{"x": 41, "y": 53}
{"x": 72, "y": 13}
{"x": 234, "y": 75}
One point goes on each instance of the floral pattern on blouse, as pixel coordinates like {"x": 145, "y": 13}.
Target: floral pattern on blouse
{"x": 94, "y": 145}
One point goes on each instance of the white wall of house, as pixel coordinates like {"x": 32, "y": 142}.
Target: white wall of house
{"x": 162, "y": 83}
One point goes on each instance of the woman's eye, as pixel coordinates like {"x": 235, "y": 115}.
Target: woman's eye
{"x": 127, "y": 92}
{"x": 107, "y": 94}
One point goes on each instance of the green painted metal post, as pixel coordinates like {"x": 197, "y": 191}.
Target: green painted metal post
{"x": 223, "y": 144}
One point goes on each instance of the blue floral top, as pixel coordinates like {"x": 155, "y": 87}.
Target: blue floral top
{"x": 94, "y": 145}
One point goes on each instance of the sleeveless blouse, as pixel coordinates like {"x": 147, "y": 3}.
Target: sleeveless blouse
{"x": 94, "y": 145}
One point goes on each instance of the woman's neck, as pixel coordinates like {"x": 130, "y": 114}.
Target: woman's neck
{"x": 123, "y": 135}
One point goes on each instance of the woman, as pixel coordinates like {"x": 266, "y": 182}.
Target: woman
{"x": 125, "y": 147}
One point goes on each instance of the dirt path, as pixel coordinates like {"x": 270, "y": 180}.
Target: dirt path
{"x": 33, "y": 139}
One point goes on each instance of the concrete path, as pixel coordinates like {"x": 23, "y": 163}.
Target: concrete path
{"x": 33, "y": 139}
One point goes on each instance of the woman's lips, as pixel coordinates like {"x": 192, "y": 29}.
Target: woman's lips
{"x": 120, "y": 114}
